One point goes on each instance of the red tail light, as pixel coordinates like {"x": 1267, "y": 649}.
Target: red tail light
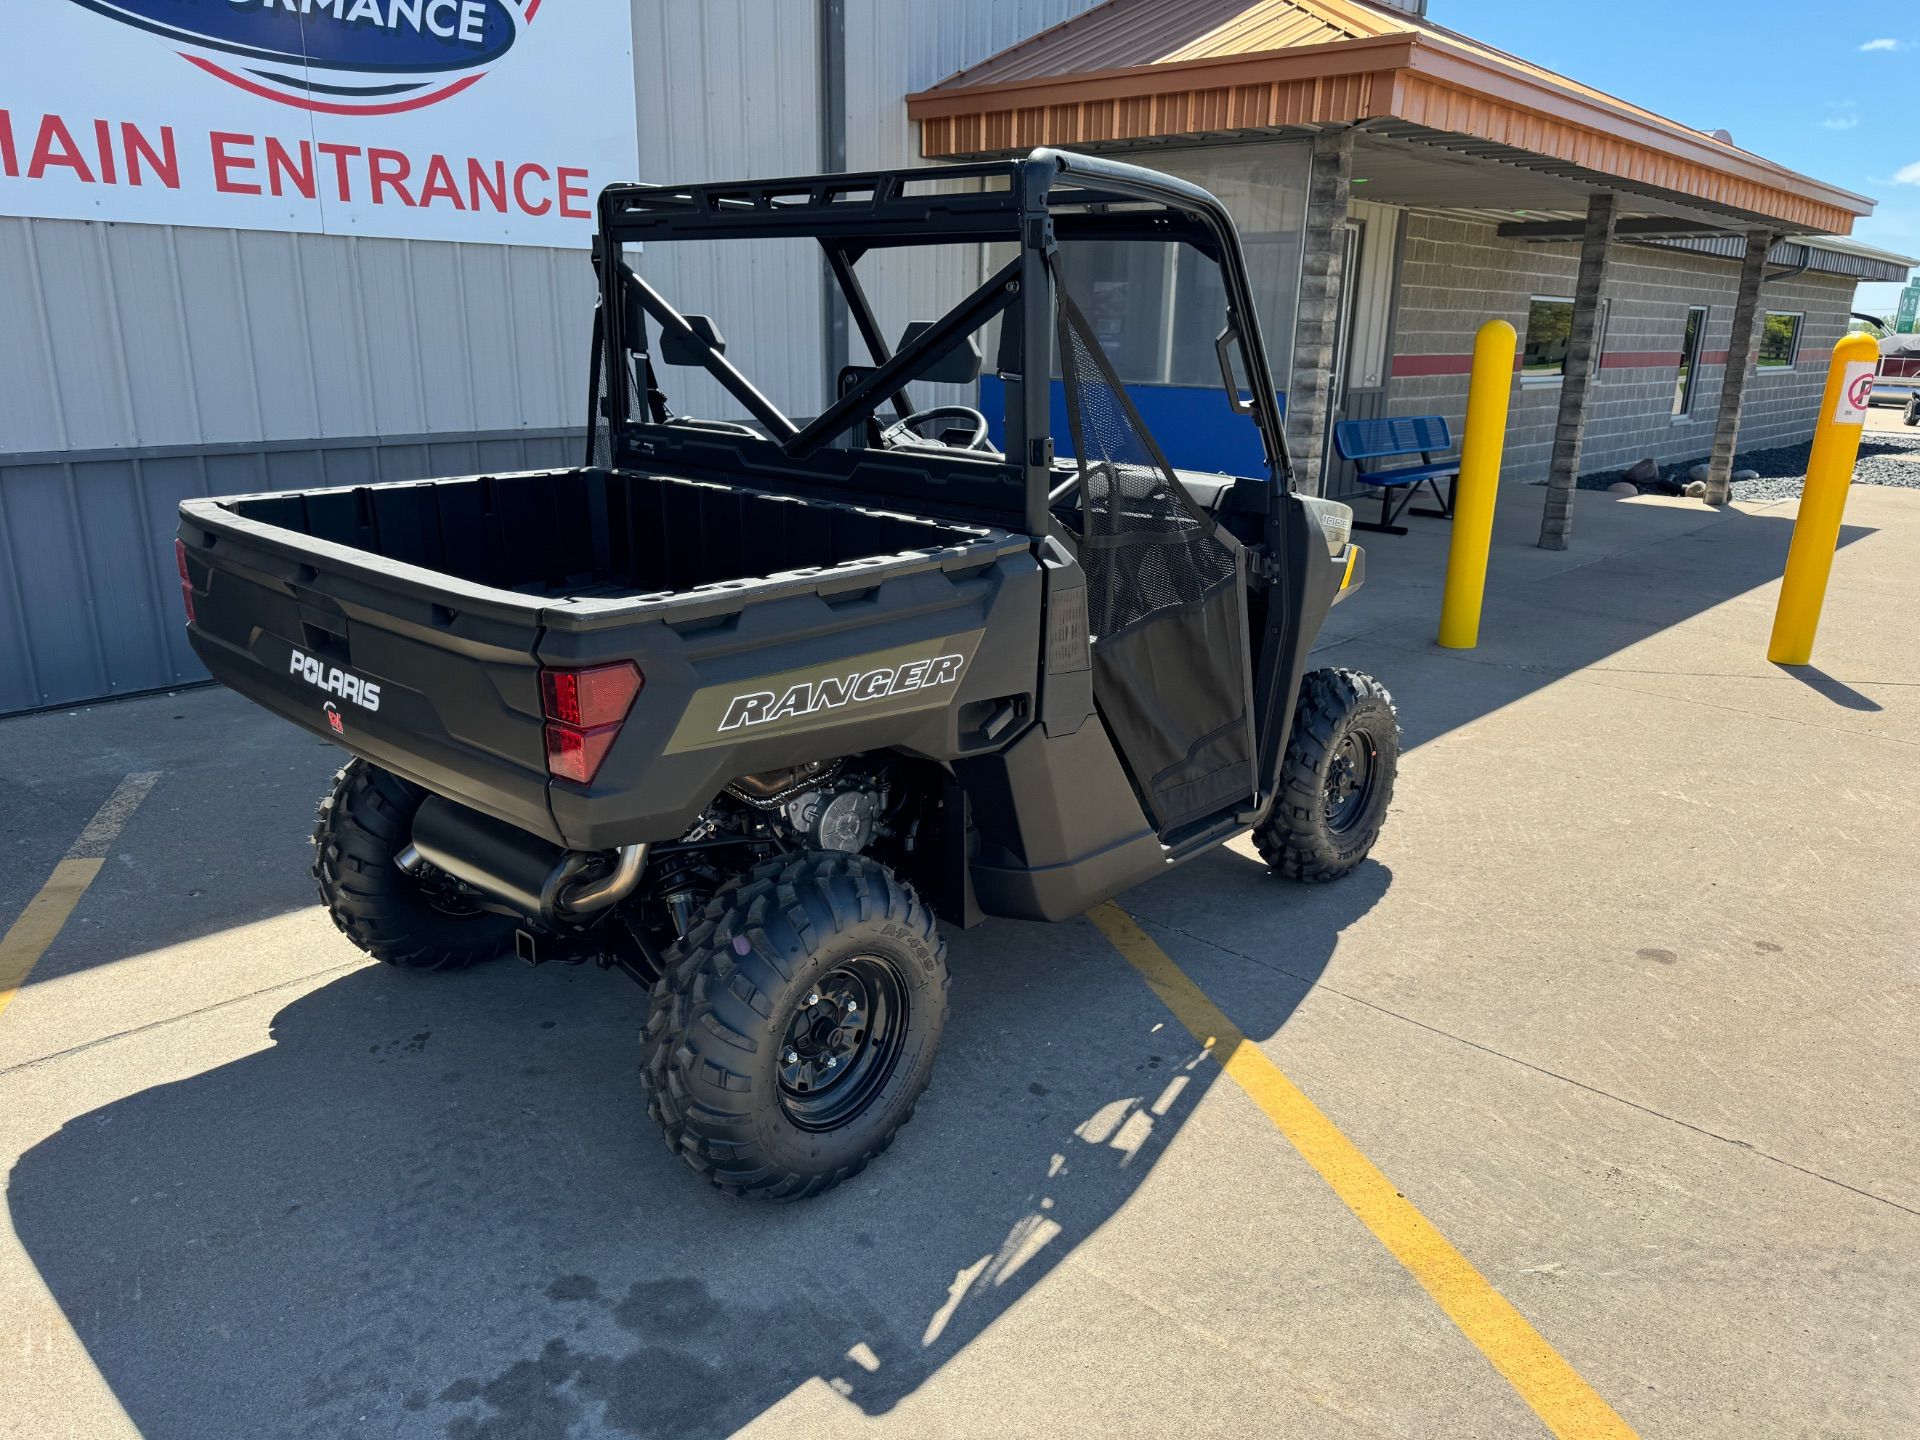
{"x": 186, "y": 580}
{"x": 585, "y": 710}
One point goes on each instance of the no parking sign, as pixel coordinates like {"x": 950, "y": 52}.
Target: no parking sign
{"x": 1856, "y": 389}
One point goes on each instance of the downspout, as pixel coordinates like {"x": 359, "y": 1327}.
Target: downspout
{"x": 1790, "y": 271}
{"x": 830, "y": 39}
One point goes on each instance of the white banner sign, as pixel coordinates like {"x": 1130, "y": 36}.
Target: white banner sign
{"x": 484, "y": 120}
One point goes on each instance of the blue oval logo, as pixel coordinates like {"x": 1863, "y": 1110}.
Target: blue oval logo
{"x": 357, "y": 56}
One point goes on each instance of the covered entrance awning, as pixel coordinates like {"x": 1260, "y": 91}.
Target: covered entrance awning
{"x": 1139, "y": 71}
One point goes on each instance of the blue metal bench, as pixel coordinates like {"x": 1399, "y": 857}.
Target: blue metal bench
{"x": 1424, "y": 435}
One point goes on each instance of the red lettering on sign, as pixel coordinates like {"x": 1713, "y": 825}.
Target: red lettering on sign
{"x": 164, "y": 162}
{"x": 116, "y": 152}
{"x": 388, "y": 169}
{"x": 573, "y": 192}
{"x": 338, "y": 154}
{"x": 103, "y": 147}
{"x": 225, "y": 163}
{"x": 281, "y": 163}
{"x": 439, "y": 184}
{"x": 54, "y": 146}
{"x": 477, "y": 184}
{"x": 520, "y": 189}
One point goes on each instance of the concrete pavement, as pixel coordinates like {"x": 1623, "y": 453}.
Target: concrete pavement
{"x": 1624, "y": 1004}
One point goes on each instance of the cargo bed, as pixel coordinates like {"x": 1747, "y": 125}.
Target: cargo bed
{"x": 566, "y": 534}
{"x": 447, "y": 596}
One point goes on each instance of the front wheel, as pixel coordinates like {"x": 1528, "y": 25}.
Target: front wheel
{"x": 1912, "y": 417}
{"x": 1336, "y": 778}
{"x": 795, "y": 1026}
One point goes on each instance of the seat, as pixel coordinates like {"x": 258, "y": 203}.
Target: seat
{"x": 1364, "y": 441}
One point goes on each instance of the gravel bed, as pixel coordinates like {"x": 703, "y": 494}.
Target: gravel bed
{"x": 1887, "y": 457}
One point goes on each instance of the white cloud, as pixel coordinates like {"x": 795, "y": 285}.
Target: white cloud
{"x": 1907, "y": 174}
{"x": 1884, "y": 43}
{"x": 1840, "y": 122}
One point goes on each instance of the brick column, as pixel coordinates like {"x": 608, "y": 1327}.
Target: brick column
{"x": 1556, "y": 524}
{"x": 1740, "y": 355}
{"x": 1316, "y": 324}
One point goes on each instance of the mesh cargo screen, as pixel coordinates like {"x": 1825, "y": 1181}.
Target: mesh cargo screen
{"x": 1165, "y": 605}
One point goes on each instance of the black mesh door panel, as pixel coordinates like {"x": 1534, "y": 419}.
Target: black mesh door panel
{"x": 1166, "y": 606}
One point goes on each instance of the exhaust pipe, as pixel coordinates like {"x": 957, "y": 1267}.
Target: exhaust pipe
{"x": 522, "y": 871}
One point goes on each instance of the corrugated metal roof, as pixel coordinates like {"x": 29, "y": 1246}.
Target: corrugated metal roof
{"x": 1133, "y": 70}
{"x": 1107, "y": 37}
{"x": 1824, "y": 255}
{"x": 1124, "y": 33}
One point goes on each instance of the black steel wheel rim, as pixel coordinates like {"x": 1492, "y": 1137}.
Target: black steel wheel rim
{"x": 841, "y": 1042}
{"x": 1352, "y": 774}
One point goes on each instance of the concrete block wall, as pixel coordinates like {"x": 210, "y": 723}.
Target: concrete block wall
{"x": 1456, "y": 274}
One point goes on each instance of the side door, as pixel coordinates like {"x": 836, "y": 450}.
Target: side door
{"x": 1166, "y": 598}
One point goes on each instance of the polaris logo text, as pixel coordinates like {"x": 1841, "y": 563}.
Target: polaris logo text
{"x": 350, "y": 687}
{"x": 809, "y": 697}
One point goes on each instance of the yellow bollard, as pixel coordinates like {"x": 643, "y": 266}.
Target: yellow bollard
{"x": 1816, "y": 531}
{"x": 1478, "y": 485}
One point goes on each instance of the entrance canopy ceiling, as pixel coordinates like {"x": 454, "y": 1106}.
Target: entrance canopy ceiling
{"x": 1494, "y": 132}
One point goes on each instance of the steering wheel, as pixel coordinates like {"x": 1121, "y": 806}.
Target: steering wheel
{"x": 904, "y": 429}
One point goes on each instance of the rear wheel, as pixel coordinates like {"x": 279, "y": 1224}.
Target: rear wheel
{"x": 398, "y": 920}
{"x": 1912, "y": 417}
{"x": 1336, "y": 779}
{"x": 795, "y": 1026}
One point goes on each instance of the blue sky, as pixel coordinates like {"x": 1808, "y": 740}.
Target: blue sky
{"x": 1833, "y": 92}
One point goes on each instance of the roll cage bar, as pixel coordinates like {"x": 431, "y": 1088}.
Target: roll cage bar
{"x": 1033, "y": 201}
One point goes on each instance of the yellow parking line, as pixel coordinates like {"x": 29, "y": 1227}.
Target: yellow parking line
{"x": 1569, "y": 1406}
{"x": 28, "y": 937}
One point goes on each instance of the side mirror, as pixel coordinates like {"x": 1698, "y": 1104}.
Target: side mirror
{"x": 959, "y": 364}
{"x": 677, "y": 348}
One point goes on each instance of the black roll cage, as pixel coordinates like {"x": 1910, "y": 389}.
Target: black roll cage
{"x": 1032, "y": 201}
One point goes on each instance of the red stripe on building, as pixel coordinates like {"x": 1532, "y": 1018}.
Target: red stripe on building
{"x": 1416, "y": 365}
{"x": 1642, "y": 360}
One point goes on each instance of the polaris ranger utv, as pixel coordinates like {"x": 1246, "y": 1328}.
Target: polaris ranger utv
{"x": 741, "y": 705}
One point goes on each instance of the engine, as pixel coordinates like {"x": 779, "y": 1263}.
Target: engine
{"x": 824, "y": 806}
{"x": 845, "y": 805}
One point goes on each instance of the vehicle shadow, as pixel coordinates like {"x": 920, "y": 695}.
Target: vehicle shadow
{"x": 434, "y": 1204}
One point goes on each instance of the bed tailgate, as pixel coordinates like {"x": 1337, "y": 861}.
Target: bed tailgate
{"x": 428, "y": 676}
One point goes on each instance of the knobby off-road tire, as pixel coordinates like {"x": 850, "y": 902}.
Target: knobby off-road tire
{"x": 801, "y": 955}
{"x": 364, "y": 823}
{"x": 1336, "y": 778}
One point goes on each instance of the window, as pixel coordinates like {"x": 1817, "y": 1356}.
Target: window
{"x": 1691, "y": 340}
{"x": 1154, "y": 306}
{"x": 1549, "y": 327}
{"x": 1780, "y": 340}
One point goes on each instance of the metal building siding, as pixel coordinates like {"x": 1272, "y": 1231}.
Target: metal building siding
{"x": 89, "y": 599}
{"x": 144, "y": 335}
{"x": 895, "y": 47}
{"x": 145, "y": 363}
{"x": 729, "y": 90}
